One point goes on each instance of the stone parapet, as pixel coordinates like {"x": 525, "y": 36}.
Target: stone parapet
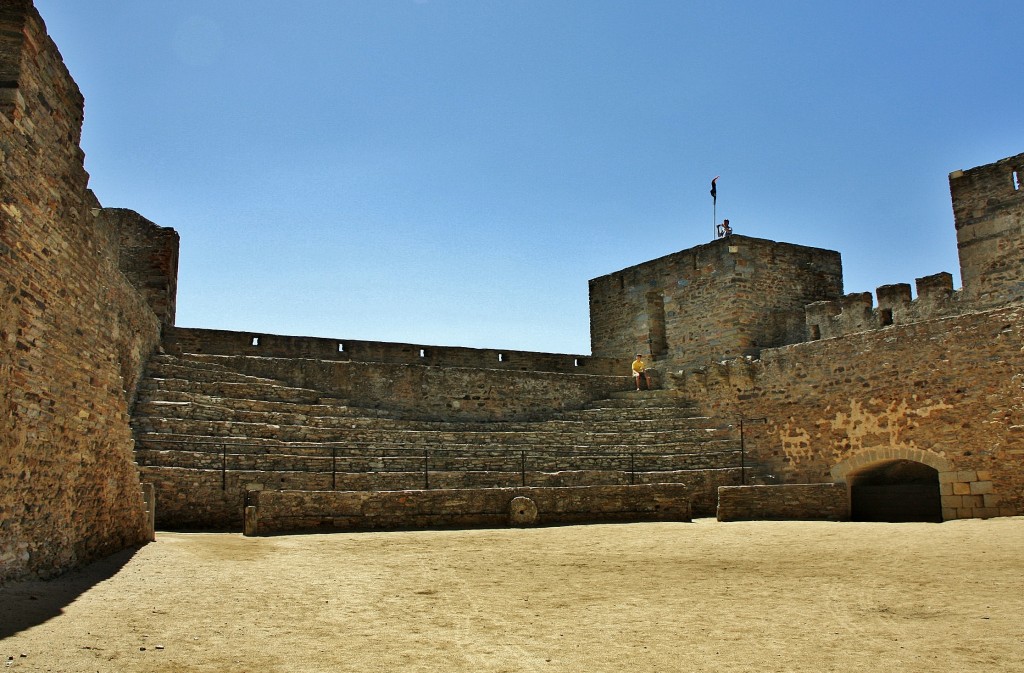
{"x": 222, "y": 342}
{"x": 855, "y": 313}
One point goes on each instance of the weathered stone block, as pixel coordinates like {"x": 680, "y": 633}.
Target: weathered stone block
{"x": 981, "y": 487}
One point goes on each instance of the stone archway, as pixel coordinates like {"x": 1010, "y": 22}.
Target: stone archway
{"x": 888, "y": 485}
{"x": 895, "y": 490}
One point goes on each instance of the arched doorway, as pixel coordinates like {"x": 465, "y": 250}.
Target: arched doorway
{"x": 895, "y": 490}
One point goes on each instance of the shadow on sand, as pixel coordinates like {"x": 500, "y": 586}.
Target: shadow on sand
{"x": 29, "y": 603}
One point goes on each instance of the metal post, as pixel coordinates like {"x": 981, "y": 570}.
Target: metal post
{"x": 743, "y": 457}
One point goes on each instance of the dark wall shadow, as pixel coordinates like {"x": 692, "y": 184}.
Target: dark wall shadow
{"x": 28, "y": 603}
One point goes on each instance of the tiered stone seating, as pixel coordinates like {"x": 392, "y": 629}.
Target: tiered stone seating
{"x": 199, "y": 425}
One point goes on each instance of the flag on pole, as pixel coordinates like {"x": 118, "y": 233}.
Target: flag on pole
{"x": 714, "y": 190}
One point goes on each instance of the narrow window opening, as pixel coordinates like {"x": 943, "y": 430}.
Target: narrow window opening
{"x": 423, "y": 353}
{"x": 255, "y": 341}
{"x": 341, "y": 348}
{"x": 885, "y": 317}
{"x": 501, "y": 357}
{"x": 1016, "y": 181}
{"x": 815, "y": 332}
{"x": 576, "y": 362}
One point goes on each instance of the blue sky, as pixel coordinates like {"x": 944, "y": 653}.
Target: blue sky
{"x": 453, "y": 172}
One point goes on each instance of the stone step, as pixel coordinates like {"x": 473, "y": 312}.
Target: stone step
{"x": 251, "y": 391}
{"x": 259, "y": 446}
{"x": 642, "y": 400}
{"x": 618, "y": 413}
{"x": 505, "y": 461}
{"x": 180, "y": 369}
{"x": 440, "y": 479}
{"x": 214, "y": 409}
{"x": 175, "y": 371}
{"x": 457, "y": 434}
{"x": 321, "y": 408}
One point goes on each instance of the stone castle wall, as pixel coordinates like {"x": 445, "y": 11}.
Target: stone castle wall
{"x": 74, "y": 331}
{"x": 946, "y": 393}
{"x": 732, "y": 297}
{"x": 148, "y": 257}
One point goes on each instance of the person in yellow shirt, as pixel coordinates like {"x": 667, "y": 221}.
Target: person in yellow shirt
{"x": 640, "y": 372}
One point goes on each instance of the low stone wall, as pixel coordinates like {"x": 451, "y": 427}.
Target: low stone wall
{"x": 284, "y": 511}
{"x": 191, "y": 499}
{"x": 810, "y": 502}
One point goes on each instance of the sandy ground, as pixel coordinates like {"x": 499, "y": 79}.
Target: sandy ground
{"x": 702, "y": 596}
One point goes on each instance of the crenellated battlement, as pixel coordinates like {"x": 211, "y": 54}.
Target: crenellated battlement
{"x": 856, "y": 312}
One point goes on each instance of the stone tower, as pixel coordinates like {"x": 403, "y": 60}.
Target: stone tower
{"x": 728, "y": 298}
{"x": 988, "y": 207}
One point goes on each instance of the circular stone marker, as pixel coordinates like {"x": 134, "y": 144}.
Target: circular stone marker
{"x": 522, "y": 511}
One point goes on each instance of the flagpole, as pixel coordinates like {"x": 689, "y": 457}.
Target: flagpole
{"x": 714, "y": 208}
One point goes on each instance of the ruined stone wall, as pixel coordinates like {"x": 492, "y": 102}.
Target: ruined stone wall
{"x": 728, "y": 298}
{"x": 946, "y": 393}
{"x": 988, "y": 206}
{"x": 74, "y": 332}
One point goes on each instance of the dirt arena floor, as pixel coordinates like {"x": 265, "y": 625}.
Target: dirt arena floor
{"x": 702, "y": 596}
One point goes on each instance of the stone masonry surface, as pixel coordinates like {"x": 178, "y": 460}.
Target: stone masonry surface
{"x": 732, "y": 297}
{"x": 74, "y": 332}
{"x": 282, "y": 511}
{"x": 946, "y": 393}
{"x": 828, "y": 502}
